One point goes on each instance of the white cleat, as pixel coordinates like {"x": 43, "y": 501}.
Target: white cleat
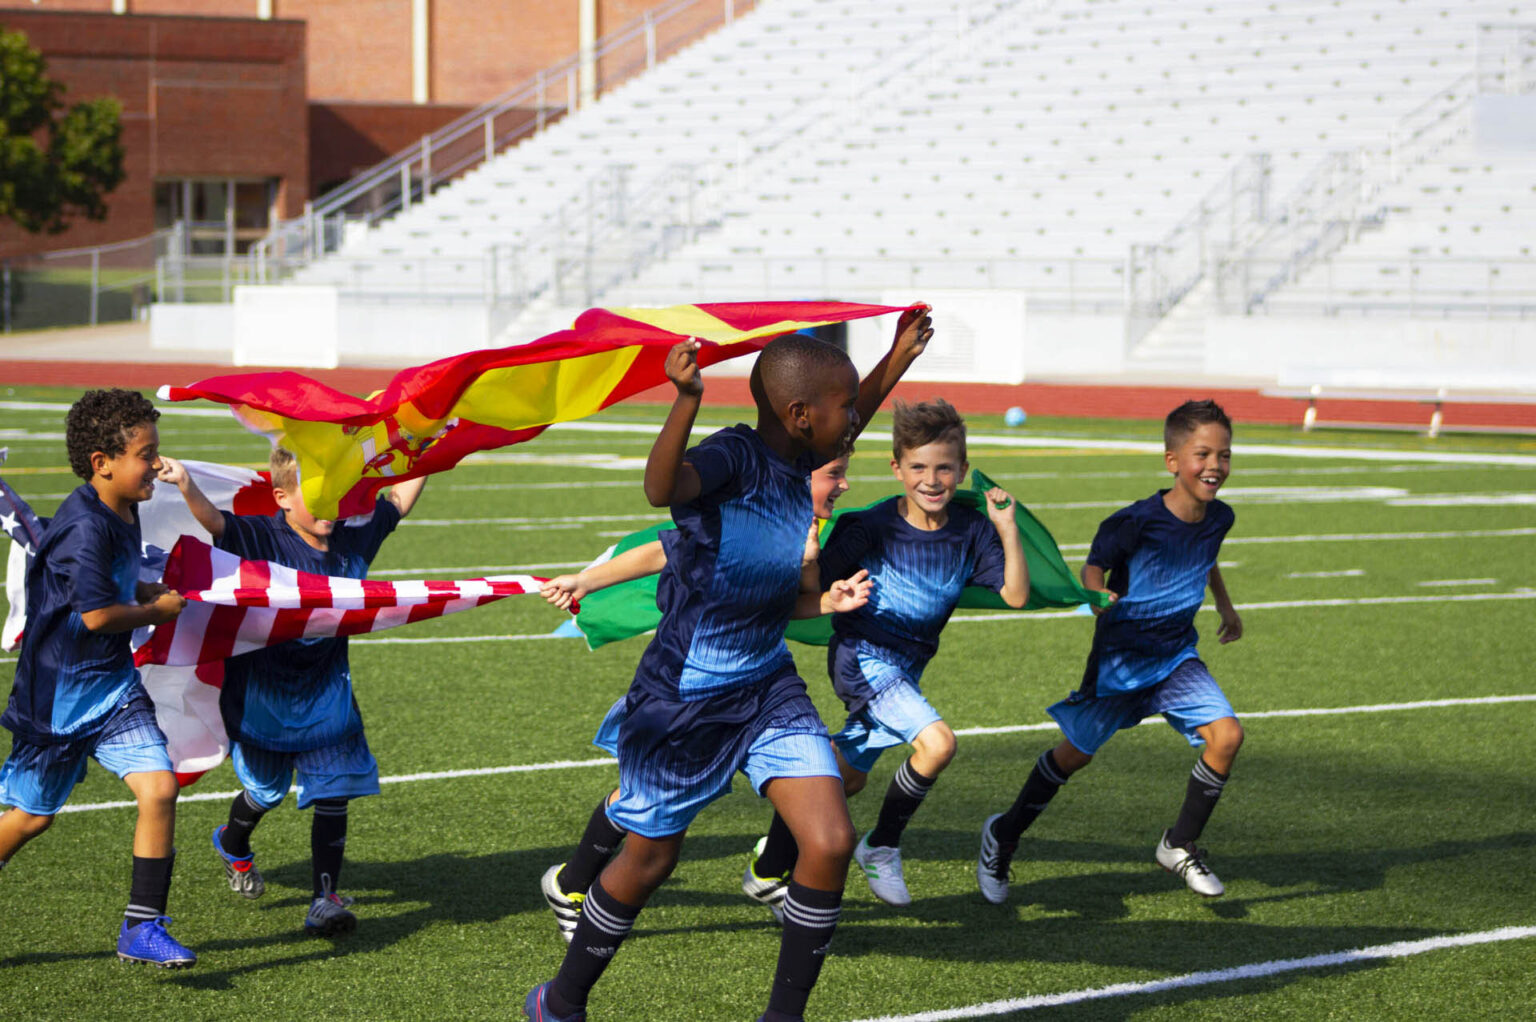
{"x": 993, "y": 864}
{"x": 768, "y": 891}
{"x": 882, "y": 868}
{"x": 566, "y": 907}
{"x": 1189, "y": 863}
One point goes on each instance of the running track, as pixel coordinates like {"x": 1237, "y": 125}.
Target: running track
{"x": 1072, "y": 400}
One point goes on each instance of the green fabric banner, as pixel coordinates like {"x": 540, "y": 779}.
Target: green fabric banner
{"x": 621, "y": 611}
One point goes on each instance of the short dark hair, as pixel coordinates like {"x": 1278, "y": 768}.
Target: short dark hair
{"x": 794, "y": 367}
{"x": 102, "y": 421}
{"x": 1190, "y": 416}
{"x": 929, "y": 422}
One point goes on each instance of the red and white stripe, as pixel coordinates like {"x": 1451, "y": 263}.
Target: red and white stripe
{"x": 237, "y": 606}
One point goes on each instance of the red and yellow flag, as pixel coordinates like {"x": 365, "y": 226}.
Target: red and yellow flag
{"x": 429, "y": 417}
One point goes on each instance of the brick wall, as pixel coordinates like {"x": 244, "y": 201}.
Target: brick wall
{"x": 202, "y": 97}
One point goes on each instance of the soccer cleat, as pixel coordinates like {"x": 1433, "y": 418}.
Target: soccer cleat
{"x": 536, "y": 1007}
{"x": 244, "y": 879}
{"x": 328, "y": 915}
{"x": 566, "y": 907}
{"x": 994, "y": 864}
{"x": 882, "y": 868}
{"x": 1188, "y": 862}
{"x": 148, "y": 942}
{"x": 769, "y": 891}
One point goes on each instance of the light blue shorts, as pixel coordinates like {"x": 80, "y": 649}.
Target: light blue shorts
{"x": 1188, "y": 699}
{"x": 894, "y": 716}
{"x": 344, "y": 770}
{"x": 676, "y": 757}
{"x": 37, "y": 779}
{"x": 607, "y": 737}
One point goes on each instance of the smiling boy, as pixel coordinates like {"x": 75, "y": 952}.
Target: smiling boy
{"x": 920, "y": 551}
{"x": 77, "y": 693}
{"x": 1155, "y": 558}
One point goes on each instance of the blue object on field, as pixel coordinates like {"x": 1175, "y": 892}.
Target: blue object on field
{"x": 1014, "y": 416}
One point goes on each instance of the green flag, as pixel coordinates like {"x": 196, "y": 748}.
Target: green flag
{"x": 621, "y": 611}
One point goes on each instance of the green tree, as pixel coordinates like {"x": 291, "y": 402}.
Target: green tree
{"x": 55, "y": 163}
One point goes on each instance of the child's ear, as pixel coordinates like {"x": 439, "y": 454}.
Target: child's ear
{"x": 799, "y": 413}
{"x": 281, "y": 499}
{"x": 99, "y": 463}
{"x": 1171, "y": 460}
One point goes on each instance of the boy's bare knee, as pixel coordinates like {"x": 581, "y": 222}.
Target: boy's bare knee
{"x": 1226, "y": 737}
{"x": 831, "y": 842}
{"x": 854, "y": 782}
{"x": 935, "y": 744}
{"x": 158, "y": 788}
{"x": 1070, "y": 758}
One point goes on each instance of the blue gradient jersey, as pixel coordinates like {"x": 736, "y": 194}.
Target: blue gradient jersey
{"x": 733, "y": 570}
{"x": 69, "y": 678}
{"x": 1158, "y": 565}
{"x": 918, "y": 576}
{"x": 297, "y": 695}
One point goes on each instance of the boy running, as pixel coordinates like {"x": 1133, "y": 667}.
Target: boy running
{"x": 77, "y": 693}
{"x": 290, "y": 708}
{"x": 716, "y": 690}
{"x": 920, "y": 551}
{"x": 1155, "y": 559}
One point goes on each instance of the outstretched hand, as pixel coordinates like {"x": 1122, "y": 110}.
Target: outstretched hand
{"x": 172, "y": 471}
{"x": 563, "y": 590}
{"x": 848, "y": 594}
{"x": 913, "y": 332}
{"x": 682, "y": 367}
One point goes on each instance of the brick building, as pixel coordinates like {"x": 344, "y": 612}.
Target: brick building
{"x": 238, "y": 111}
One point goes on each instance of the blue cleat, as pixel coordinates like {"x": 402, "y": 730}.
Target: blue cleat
{"x": 536, "y": 1007}
{"x": 243, "y": 877}
{"x": 149, "y": 943}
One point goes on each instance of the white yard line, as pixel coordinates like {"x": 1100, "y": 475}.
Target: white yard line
{"x": 1345, "y": 573}
{"x": 571, "y": 764}
{"x": 1430, "y": 583}
{"x": 1256, "y": 970}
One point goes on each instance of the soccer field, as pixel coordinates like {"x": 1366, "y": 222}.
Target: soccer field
{"x": 1385, "y": 797}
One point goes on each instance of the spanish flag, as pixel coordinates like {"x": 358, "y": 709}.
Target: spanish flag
{"x": 429, "y": 417}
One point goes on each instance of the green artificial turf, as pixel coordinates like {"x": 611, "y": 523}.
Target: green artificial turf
{"x": 1338, "y": 831}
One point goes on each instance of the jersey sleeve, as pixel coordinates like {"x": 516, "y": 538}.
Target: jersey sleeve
{"x": 371, "y": 535}
{"x": 246, "y": 536}
{"x": 846, "y": 549}
{"x": 719, "y": 459}
{"x": 991, "y": 562}
{"x": 84, "y": 556}
{"x": 1115, "y": 540}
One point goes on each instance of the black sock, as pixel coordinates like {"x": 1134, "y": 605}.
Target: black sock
{"x": 605, "y": 922}
{"x": 780, "y": 853}
{"x": 1044, "y": 781}
{"x": 244, "y": 814}
{"x": 598, "y": 843}
{"x": 327, "y": 843}
{"x": 150, "y": 889}
{"x": 1200, "y": 798}
{"x": 907, "y": 791}
{"x": 810, "y": 916}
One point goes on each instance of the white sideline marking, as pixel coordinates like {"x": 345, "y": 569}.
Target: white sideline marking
{"x": 1256, "y": 970}
{"x": 567, "y": 764}
{"x": 1346, "y": 573}
{"x": 1463, "y": 500}
{"x": 1459, "y": 582}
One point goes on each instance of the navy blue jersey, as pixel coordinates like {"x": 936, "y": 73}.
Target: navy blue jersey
{"x": 1158, "y": 565}
{"x": 733, "y": 570}
{"x": 297, "y": 695}
{"x": 69, "y": 678}
{"x": 918, "y": 574}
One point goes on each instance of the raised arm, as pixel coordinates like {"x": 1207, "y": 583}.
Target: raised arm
{"x": 913, "y": 332}
{"x": 404, "y": 495}
{"x": 1231, "y": 628}
{"x": 643, "y": 560}
{"x": 1015, "y": 588}
{"x": 208, "y": 516}
{"x": 668, "y": 478}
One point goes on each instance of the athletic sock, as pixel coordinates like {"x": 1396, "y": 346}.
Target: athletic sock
{"x": 1204, "y": 788}
{"x": 327, "y": 843}
{"x": 598, "y": 843}
{"x": 810, "y": 917}
{"x": 244, "y": 814}
{"x": 780, "y": 853}
{"x": 1044, "y": 781}
{"x": 604, "y": 923}
{"x": 150, "y": 888}
{"x": 907, "y": 791}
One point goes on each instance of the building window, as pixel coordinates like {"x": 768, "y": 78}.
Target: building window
{"x": 222, "y": 215}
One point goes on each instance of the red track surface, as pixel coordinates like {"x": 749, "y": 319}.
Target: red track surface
{"x": 1073, "y": 400}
